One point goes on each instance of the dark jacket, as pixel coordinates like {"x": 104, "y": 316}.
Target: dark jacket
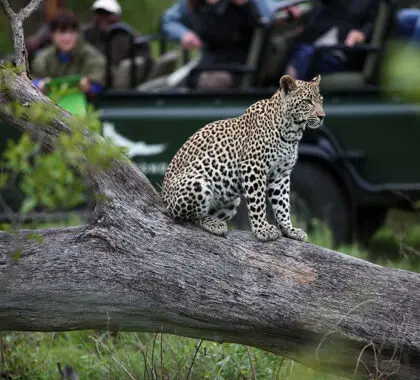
{"x": 345, "y": 14}
{"x": 85, "y": 60}
{"x": 120, "y": 46}
{"x": 225, "y": 29}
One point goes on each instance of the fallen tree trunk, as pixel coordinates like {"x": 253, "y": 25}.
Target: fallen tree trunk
{"x": 133, "y": 268}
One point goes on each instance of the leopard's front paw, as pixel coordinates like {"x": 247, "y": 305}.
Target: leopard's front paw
{"x": 295, "y": 233}
{"x": 213, "y": 225}
{"x": 267, "y": 233}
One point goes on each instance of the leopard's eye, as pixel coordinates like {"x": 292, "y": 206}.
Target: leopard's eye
{"x": 308, "y": 101}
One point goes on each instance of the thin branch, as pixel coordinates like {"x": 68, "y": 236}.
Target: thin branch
{"x": 193, "y": 359}
{"x": 117, "y": 361}
{"x": 29, "y": 9}
{"x": 139, "y": 345}
{"x": 251, "y": 361}
{"x": 7, "y": 9}
{"x": 16, "y": 23}
{"x": 153, "y": 356}
{"x": 161, "y": 352}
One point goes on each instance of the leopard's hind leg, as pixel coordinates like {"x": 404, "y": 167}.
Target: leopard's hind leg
{"x": 190, "y": 197}
{"x": 227, "y": 211}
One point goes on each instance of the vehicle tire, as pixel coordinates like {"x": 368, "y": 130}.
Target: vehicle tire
{"x": 316, "y": 195}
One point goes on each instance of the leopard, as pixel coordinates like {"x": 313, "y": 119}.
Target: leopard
{"x": 247, "y": 157}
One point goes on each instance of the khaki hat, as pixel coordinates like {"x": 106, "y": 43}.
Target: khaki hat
{"x": 110, "y": 6}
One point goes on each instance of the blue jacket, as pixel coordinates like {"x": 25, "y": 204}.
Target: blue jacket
{"x": 225, "y": 29}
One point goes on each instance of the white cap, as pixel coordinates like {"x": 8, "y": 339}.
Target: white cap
{"x": 111, "y": 6}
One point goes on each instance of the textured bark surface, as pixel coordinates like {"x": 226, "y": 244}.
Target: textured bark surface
{"x": 16, "y": 23}
{"x": 133, "y": 268}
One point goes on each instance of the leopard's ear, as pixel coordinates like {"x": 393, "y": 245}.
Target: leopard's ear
{"x": 317, "y": 79}
{"x": 287, "y": 84}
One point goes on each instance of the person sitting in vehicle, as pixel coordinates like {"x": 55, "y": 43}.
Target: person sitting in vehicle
{"x": 69, "y": 55}
{"x": 105, "y": 14}
{"x": 408, "y": 25}
{"x": 348, "y": 22}
{"x": 222, "y": 29}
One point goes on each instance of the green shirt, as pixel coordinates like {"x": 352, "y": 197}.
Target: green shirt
{"x": 85, "y": 60}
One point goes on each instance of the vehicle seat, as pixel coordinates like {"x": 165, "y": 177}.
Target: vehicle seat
{"x": 278, "y": 42}
{"x": 269, "y": 46}
{"x": 353, "y": 80}
{"x": 165, "y": 64}
{"x": 172, "y": 80}
{"x": 122, "y": 74}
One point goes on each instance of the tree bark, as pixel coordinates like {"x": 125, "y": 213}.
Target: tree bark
{"x": 133, "y": 268}
{"x": 16, "y": 23}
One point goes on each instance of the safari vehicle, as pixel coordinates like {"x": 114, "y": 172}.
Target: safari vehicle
{"x": 350, "y": 172}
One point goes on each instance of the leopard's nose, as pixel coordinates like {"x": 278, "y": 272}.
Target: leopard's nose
{"x": 321, "y": 118}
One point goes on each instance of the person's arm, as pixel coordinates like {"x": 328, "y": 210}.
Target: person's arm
{"x": 363, "y": 34}
{"x": 265, "y": 8}
{"x": 38, "y": 66}
{"x": 176, "y": 22}
{"x": 94, "y": 69}
{"x": 38, "y": 71}
{"x": 370, "y": 17}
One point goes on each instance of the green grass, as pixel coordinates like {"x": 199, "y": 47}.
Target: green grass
{"x": 100, "y": 355}
{"x": 103, "y": 355}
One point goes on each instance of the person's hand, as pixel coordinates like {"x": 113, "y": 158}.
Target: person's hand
{"x": 85, "y": 84}
{"x": 295, "y": 12}
{"x": 42, "y": 85}
{"x": 190, "y": 41}
{"x": 354, "y": 37}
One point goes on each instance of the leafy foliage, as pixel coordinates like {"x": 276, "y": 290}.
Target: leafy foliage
{"x": 50, "y": 180}
{"x": 46, "y": 179}
{"x": 399, "y": 74}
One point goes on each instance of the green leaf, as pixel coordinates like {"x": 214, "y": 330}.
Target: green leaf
{"x": 6, "y": 227}
{"x": 17, "y": 254}
{"x": 35, "y": 237}
{"x": 29, "y": 204}
{"x": 4, "y": 177}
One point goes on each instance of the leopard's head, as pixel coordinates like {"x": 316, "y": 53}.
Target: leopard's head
{"x": 302, "y": 101}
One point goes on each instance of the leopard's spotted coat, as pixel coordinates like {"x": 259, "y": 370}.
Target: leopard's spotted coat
{"x": 251, "y": 155}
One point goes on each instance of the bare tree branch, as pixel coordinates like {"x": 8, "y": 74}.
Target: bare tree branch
{"x": 133, "y": 268}
{"x": 7, "y": 9}
{"x": 16, "y": 23}
{"x": 29, "y": 9}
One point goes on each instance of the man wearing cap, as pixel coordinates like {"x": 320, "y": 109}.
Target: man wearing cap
{"x": 105, "y": 14}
